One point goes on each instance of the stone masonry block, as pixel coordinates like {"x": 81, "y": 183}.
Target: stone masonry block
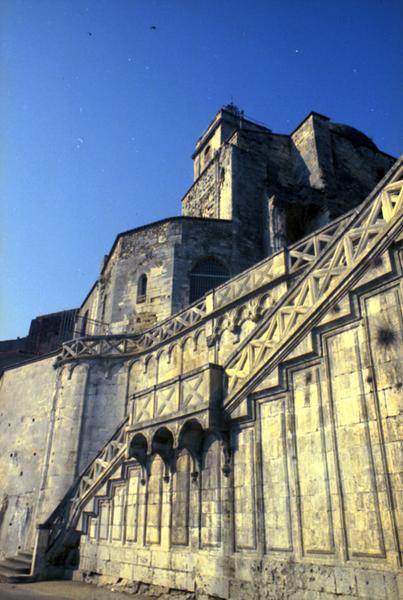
{"x": 345, "y": 581}
{"x": 371, "y": 585}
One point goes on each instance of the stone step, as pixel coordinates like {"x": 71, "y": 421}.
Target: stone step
{"x": 13, "y": 578}
{"x": 20, "y": 565}
{"x": 17, "y": 568}
{"x": 20, "y": 558}
{"x": 25, "y": 553}
{"x": 9, "y": 570}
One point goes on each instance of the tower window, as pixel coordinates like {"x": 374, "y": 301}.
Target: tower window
{"x": 142, "y": 288}
{"x": 208, "y": 273}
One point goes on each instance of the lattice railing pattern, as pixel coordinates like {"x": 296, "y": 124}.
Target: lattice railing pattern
{"x": 67, "y": 510}
{"x": 241, "y": 285}
{"x": 304, "y": 253}
{"x": 300, "y": 256}
{"x": 118, "y": 345}
{"x": 334, "y": 256}
{"x": 371, "y": 224}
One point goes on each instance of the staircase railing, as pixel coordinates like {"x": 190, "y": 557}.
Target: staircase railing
{"x": 67, "y": 512}
{"x": 368, "y": 233}
{"x": 335, "y": 255}
{"x": 298, "y": 257}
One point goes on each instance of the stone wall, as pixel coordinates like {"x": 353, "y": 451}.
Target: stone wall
{"x": 268, "y": 189}
{"x": 145, "y": 251}
{"x": 166, "y": 254}
{"x": 300, "y": 498}
{"x": 210, "y": 195}
{"x": 294, "y": 491}
{"x": 278, "y": 188}
{"x": 25, "y": 410}
{"x": 46, "y": 334}
{"x": 52, "y": 423}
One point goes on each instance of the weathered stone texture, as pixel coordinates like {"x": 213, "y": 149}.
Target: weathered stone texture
{"x": 46, "y": 334}
{"x": 308, "y": 486}
{"x": 249, "y": 445}
{"x": 26, "y": 403}
{"x": 267, "y": 189}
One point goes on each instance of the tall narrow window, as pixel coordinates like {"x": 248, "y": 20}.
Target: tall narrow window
{"x": 105, "y": 298}
{"x": 84, "y": 321}
{"x": 208, "y": 273}
{"x": 142, "y": 288}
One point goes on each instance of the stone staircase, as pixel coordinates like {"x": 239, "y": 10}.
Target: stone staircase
{"x": 16, "y": 569}
{"x": 333, "y": 264}
{"x": 377, "y": 222}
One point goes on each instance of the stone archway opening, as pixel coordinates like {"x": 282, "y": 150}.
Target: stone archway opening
{"x": 138, "y": 448}
{"x": 191, "y": 438}
{"x": 162, "y": 443}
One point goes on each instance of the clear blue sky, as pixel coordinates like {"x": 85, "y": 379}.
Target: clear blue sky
{"x": 100, "y": 111}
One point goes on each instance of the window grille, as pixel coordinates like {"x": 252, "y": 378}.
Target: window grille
{"x": 207, "y": 274}
{"x": 142, "y": 288}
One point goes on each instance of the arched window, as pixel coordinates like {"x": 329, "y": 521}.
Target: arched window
{"x": 207, "y": 154}
{"x": 142, "y": 288}
{"x": 208, "y": 273}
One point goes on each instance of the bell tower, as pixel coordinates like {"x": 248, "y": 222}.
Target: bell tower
{"x": 225, "y": 122}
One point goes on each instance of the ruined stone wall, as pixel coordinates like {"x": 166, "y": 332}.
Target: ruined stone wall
{"x": 46, "y": 334}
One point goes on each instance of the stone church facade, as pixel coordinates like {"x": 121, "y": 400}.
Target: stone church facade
{"x": 225, "y": 419}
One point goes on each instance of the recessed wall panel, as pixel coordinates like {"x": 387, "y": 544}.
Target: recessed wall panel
{"x": 276, "y": 493}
